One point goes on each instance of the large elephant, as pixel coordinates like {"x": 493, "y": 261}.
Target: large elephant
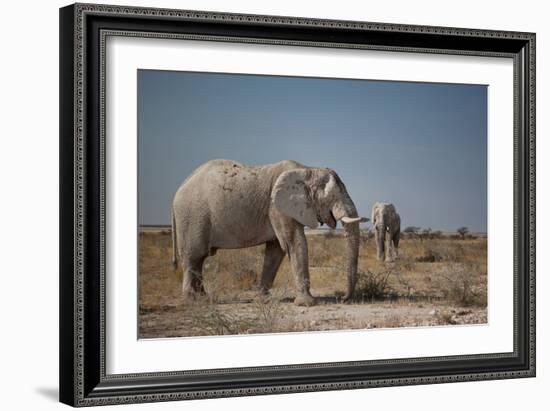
{"x": 224, "y": 204}
{"x": 386, "y": 224}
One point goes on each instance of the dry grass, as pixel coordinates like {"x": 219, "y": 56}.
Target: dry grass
{"x": 428, "y": 284}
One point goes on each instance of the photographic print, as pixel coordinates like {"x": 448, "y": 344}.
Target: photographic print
{"x": 275, "y": 204}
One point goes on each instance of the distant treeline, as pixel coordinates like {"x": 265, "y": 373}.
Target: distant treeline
{"x": 409, "y": 232}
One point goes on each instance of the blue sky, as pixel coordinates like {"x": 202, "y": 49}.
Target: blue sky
{"x": 421, "y": 146}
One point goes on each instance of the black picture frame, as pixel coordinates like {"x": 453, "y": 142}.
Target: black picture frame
{"x": 83, "y": 381}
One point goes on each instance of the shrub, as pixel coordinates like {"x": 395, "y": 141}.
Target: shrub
{"x": 429, "y": 257}
{"x": 462, "y": 231}
{"x": 268, "y": 311}
{"x": 437, "y": 234}
{"x": 411, "y": 230}
{"x": 427, "y": 233}
{"x": 461, "y": 285}
{"x": 211, "y": 320}
{"x": 437, "y": 251}
{"x": 372, "y": 286}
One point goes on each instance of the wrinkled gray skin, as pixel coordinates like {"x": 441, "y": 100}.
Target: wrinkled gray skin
{"x": 224, "y": 204}
{"x": 386, "y": 224}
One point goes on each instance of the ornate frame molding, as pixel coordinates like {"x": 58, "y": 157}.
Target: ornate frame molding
{"x": 82, "y": 336}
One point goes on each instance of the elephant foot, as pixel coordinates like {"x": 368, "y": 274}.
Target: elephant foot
{"x": 189, "y": 296}
{"x": 304, "y": 300}
{"x": 347, "y": 299}
{"x": 194, "y": 296}
{"x": 391, "y": 259}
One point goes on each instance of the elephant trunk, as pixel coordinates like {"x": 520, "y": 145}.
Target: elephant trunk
{"x": 346, "y": 208}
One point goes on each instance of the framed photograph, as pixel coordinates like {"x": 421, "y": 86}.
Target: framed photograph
{"x": 262, "y": 204}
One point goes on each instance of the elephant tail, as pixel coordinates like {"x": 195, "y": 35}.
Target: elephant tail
{"x": 174, "y": 242}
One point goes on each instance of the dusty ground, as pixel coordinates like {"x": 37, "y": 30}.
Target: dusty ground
{"x": 246, "y": 318}
{"x": 435, "y": 281}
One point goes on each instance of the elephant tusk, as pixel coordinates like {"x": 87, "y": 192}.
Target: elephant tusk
{"x": 351, "y": 220}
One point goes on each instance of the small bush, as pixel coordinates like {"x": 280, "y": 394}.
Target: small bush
{"x": 427, "y": 233}
{"x": 441, "y": 251}
{"x": 372, "y": 286}
{"x": 462, "y": 231}
{"x": 461, "y": 285}
{"x": 269, "y": 312}
{"x": 429, "y": 257}
{"x": 211, "y": 320}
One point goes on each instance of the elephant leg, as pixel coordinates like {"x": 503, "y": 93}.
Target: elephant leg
{"x": 293, "y": 241}
{"x": 380, "y": 252}
{"x": 188, "y": 280}
{"x": 388, "y": 240}
{"x": 192, "y": 252}
{"x": 298, "y": 255}
{"x": 192, "y": 278}
{"x": 274, "y": 255}
{"x": 396, "y": 242}
{"x": 198, "y": 284}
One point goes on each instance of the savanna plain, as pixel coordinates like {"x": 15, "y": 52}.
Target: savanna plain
{"x": 435, "y": 280}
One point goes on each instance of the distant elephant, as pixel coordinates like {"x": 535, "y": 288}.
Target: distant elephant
{"x": 386, "y": 224}
{"x": 224, "y": 204}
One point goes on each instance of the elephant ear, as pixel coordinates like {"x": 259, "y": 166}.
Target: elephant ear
{"x": 291, "y": 197}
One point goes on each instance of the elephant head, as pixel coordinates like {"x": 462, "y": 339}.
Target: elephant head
{"x": 317, "y": 195}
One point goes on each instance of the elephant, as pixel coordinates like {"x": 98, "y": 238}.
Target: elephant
{"x": 227, "y": 205}
{"x": 386, "y": 224}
